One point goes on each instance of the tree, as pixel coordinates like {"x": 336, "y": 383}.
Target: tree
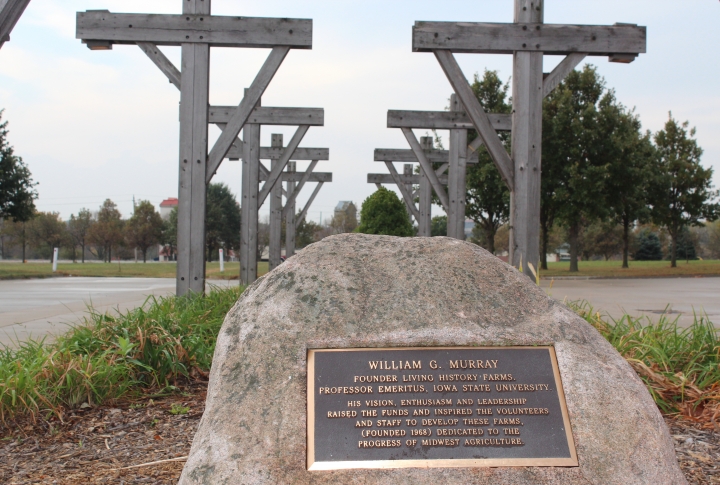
{"x": 144, "y": 228}
{"x": 17, "y": 189}
{"x": 383, "y": 213}
{"x": 306, "y": 231}
{"x": 683, "y": 195}
{"x": 78, "y": 228}
{"x": 577, "y": 141}
{"x": 107, "y": 233}
{"x": 686, "y": 245}
{"x": 343, "y": 222}
{"x": 648, "y": 246}
{"x": 632, "y": 170}
{"x": 169, "y": 233}
{"x": 603, "y": 239}
{"x": 47, "y": 231}
{"x": 487, "y": 196}
{"x": 438, "y": 226}
{"x": 222, "y": 222}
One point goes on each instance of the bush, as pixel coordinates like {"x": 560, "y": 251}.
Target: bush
{"x": 383, "y": 213}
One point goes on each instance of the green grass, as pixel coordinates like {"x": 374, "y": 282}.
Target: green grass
{"x": 13, "y": 270}
{"x": 109, "y": 357}
{"x": 637, "y": 269}
{"x": 680, "y": 366}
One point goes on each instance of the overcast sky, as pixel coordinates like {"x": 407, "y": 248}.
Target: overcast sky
{"x": 96, "y": 125}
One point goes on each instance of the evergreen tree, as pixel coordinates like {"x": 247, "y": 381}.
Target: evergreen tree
{"x": 17, "y": 189}
{"x": 648, "y": 246}
{"x": 438, "y": 226}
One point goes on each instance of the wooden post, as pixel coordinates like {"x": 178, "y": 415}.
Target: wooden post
{"x": 526, "y": 146}
{"x": 425, "y": 205}
{"x": 275, "y": 243}
{"x": 408, "y": 170}
{"x": 249, "y": 216}
{"x": 193, "y": 159}
{"x": 456, "y": 176}
{"x": 290, "y": 214}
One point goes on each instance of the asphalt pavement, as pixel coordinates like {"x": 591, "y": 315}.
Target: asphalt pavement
{"x": 651, "y": 297}
{"x": 38, "y": 308}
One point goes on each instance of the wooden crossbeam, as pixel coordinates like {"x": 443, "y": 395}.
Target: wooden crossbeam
{"x": 427, "y": 167}
{"x": 162, "y": 62}
{"x": 10, "y": 13}
{"x": 248, "y": 104}
{"x": 290, "y": 202}
{"x": 409, "y": 202}
{"x": 269, "y": 153}
{"x": 405, "y": 155}
{"x": 565, "y": 67}
{"x": 301, "y": 217}
{"x": 477, "y": 114}
{"x": 414, "y": 179}
{"x": 297, "y": 176}
{"x": 554, "y": 39}
{"x": 266, "y": 115}
{"x": 214, "y": 30}
{"x": 281, "y": 163}
{"x": 443, "y": 120}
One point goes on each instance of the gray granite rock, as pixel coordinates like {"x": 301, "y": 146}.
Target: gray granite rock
{"x": 377, "y": 291}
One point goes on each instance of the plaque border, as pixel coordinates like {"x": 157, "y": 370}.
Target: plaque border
{"x": 313, "y": 465}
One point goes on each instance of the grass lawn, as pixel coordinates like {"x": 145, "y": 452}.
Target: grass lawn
{"x": 9, "y": 271}
{"x": 637, "y": 269}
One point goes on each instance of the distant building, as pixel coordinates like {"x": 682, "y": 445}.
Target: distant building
{"x": 348, "y": 208}
{"x": 166, "y": 207}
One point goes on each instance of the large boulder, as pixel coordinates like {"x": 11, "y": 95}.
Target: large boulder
{"x": 356, "y": 290}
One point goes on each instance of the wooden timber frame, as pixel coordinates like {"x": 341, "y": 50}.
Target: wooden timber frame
{"x": 527, "y": 39}
{"x": 279, "y": 212}
{"x": 10, "y": 13}
{"x": 196, "y": 31}
{"x": 457, "y": 122}
{"x": 407, "y": 181}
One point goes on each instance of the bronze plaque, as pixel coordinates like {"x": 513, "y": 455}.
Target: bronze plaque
{"x": 436, "y": 407}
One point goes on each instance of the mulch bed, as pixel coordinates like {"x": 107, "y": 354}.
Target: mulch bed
{"x": 147, "y": 442}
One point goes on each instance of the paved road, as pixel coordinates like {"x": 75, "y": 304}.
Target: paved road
{"x": 46, "y": 307}
{"x": 647, "y": 297}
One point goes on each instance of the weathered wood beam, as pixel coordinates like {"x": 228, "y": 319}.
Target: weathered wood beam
{"x": 10, "y": 13}
{"x": 555, "y": 39}
{"x": 456, "y": 176}
{"x": 248, "y": 104}
{"x": 161, "y": 61}
{"x": 192, "y": 189}
{"x": 303, "y": 213}
{"x": 269, "y": 153}
{"x": 427, "y": 167}
{"x": 272, "y": 116}
{"x": 405, "y": 155}
{"x": 407, "y": 196}
{"x": 290, "y": 202}
{"x": 282, "y": 162}
{"x": 414, "y": 179}
{"x": 295, "y": 177}
{"x": 443, "y": 120}
{"x": 565, "y": 67}
{"x": 477, "y": 114}
{"x": 214, "y": 30}
{"x": 275, "y": 222}
{"x": 249, "y": 205}
{"x": 290, "y": 216}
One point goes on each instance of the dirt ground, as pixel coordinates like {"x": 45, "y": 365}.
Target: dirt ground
{"x": 147, "y": 442}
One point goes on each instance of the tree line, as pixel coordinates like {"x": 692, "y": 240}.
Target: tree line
{"x": 608, "y": 187}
